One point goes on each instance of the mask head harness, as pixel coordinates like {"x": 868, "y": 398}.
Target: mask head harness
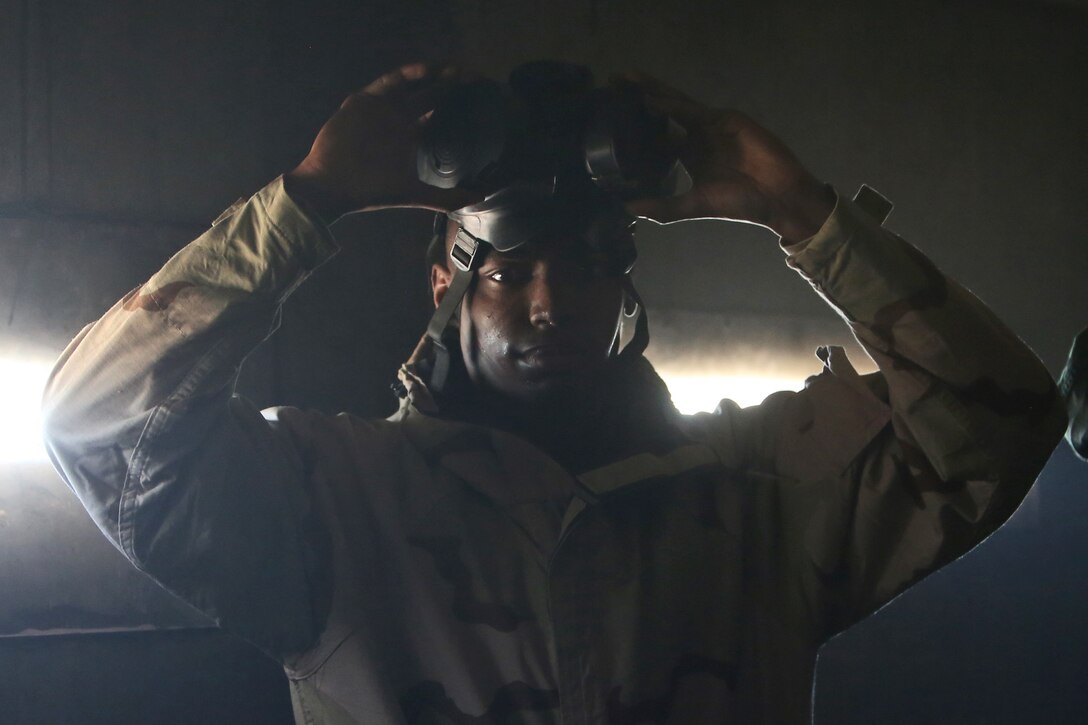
{"x": 553, "y": 156}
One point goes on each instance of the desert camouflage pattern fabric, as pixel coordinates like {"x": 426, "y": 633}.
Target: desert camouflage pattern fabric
{"x": 424, "y": 570}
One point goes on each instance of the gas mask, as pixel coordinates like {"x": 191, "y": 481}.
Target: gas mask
{"x": 552, "y": 155}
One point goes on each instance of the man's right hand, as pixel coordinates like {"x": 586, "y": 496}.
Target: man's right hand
{"x": 364, "y": 157}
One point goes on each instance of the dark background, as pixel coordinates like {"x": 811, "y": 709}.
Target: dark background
{"x": 125, "y": 127}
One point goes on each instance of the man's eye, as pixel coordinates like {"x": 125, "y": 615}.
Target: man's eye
{"x": 506, "y": 275}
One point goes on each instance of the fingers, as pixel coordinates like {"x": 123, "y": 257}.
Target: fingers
{"x": 391, "y": 84}
{"x": 651, "y": 85}
{"x": 422, "y": 102}
{"x": 385, "y": 83}
{"x": 417, "y": 86}
{"x": 661, "y": 97}
{"x": 409, "y": 76}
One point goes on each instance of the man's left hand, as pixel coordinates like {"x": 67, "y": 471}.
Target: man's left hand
{"x": 740, "y": 171}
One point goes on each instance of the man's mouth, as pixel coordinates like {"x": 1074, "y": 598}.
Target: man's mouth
{"x": 554, "y": 357}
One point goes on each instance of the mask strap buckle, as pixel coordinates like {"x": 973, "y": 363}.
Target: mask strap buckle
{"x": 464, "y": 251}
{"x": 467, "y": 255}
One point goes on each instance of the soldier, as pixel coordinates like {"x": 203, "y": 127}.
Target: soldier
{"x": 545, "y": 539}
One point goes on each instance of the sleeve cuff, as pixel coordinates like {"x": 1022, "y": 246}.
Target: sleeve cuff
{"x": 297, "y": 225}
{"x": 265, "y": 245}
{"x": 792, "y": 249}
{"x": 858, "y": 265}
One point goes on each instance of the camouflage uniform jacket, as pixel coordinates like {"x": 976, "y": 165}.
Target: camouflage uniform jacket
{"x": 426, "y": 570}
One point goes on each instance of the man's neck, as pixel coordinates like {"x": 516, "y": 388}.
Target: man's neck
{"x": 620, "y": 413}
{"x": 568, "y": 428}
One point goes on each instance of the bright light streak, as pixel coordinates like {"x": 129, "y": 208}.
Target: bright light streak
{"x": 21, "y": 384}
{"x": 701, "y": 393}
{"x": 705, "y": 358}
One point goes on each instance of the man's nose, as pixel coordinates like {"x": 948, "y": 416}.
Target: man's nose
{"x": 551, "y": 300}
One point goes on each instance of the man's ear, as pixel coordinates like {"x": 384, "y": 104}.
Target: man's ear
{"x": 440, "y": 282}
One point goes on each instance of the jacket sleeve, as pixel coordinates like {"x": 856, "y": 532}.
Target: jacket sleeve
{"x": 190, "y": 482}
{"x": 886, "y": 477}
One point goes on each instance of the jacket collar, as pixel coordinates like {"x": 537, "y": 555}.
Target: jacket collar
{"x": 511, "y": 470}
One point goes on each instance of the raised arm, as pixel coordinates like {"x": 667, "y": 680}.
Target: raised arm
{"x": 191, "y": 483}
{"x": 880, "y": 479}
{"x": 963, "y": 416}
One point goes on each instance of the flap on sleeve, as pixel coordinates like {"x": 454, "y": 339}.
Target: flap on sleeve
{"x": 830, "y": 422}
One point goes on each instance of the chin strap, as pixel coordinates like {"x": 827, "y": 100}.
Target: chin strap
{"x": 641, "y": 338}
{"x": 466, "y": 255}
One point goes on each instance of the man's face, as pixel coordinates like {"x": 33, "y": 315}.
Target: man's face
{"x": 539, "y": 322}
